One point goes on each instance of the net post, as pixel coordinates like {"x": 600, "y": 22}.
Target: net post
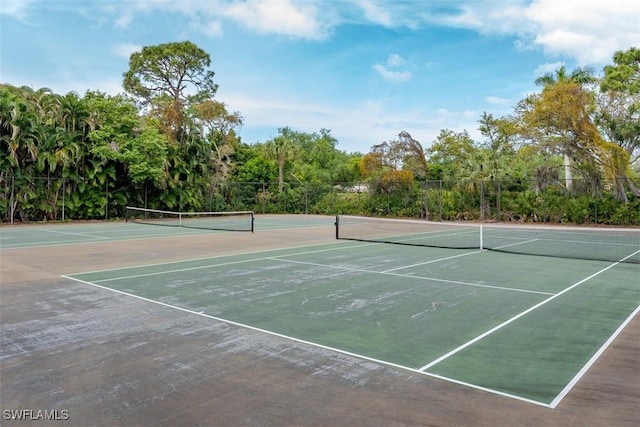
{"x": 126, "y": 214}
{"x": 481, "y": 237}
{"x": 337, "y": 224}
{"x": 252, "y": 221}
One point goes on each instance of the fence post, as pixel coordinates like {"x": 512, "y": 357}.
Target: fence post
{"x": 63, "y": 191}
{"x": 440, "y": 201}
{"x": 425, "y": 200}
{"x": 498, "y": 200}
{"x": 482, "y": 200}
{"x": 12, "y": 205}
{"x": 106, "y": 189}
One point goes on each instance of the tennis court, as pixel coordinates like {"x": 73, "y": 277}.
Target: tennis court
{"x": 520, "y": 327}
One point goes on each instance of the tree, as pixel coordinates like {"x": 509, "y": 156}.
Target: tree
{"x": 281, "y": 148}
{"x": 370, "y": 164}
{"x": 118, "y": 136}
{"x": 317, "y": 161}
{"x": 217, "y": 129}
{"x": 42, "y": 141}
{"x": 19, "y": 119}
{"x": 502, "y": 133}
{"x": 415, "y": 159}
{"x": 624, "y": 76}
{"x": 169, "y": 78}
{"x": 403, "y": 153}
{"x": 448, "y": 150}
{"x": 497, "y": 153}
{"x": 580, "y": 76}
{"x": 618, "y": 115}
{"x": 560, "y": 118}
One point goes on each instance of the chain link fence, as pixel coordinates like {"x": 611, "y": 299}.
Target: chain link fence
{"x": 27, "y": 199}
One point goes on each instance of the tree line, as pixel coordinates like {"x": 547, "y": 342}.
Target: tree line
{"x": 167, "y": 143}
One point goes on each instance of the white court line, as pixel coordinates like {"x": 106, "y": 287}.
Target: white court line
{"x": 310, "y": 343}
{"x": 515, "y": 244}
{"x": 455, "y": 282}
{"x": 503, "y": 324}
{"x": 457, "y": 256}
{"x": 430, "y": 234}
{"x": 115, "y": 239}
{"x": 222, "y": 256}
{"x": 576, "y": 242}
{"x": 279, "y": 258}
{"x": 74, "y": 234}
{"x": 591, "y": 361}
{"x": 430, "y": 261}
{"x": 419, "y": 371}
{"x": 128, "y": 238}
{"x": 178, "y": 270}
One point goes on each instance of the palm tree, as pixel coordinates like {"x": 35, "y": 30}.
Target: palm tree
{"x": 581, "y": 76}
{"x": 281, "y": 148}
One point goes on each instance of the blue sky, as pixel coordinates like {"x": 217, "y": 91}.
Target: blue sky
{"x": 364, "y": 69}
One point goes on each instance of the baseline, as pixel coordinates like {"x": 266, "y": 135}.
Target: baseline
{"x": 310, "y": 343}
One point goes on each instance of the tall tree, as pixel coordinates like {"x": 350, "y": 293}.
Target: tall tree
{"x": 119, "y": 136}
{"x": 217, "y": 129}
{"x": 281, "y": 148}
{"x": 449, "y": 150}
{"x": 561, "y": 120}
{"x": 580, "y": 76}
{"x": 501, "y": 133}
{"x": 618, "y": 115}
{"x": 415, "y": 158}
{"x": 169, "y": 78}
{"x": 403, "y": 153}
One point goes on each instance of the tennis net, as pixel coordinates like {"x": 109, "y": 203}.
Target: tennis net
{"x": 226, "y": 221}
{"x": 602, "y": 244}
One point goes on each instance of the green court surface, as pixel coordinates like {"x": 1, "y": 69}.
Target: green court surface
{"x": 43, "y": 234}
{"x": 526, "y": 327}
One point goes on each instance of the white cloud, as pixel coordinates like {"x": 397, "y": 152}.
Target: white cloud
{"x": 589, "y": 31}
{"x": 124, "y": 20}
{"x": 374, "y": 13}
{"x": 302, "y": 19}
{"x": 211, "y": 28}
{"x": 15, "y": 8}
{"x": 393, "y": 76}
{"x": 395, "y": 60}
{"x": 357, "y": 125}
{"x": 423, "y": 125}
{"x": 496, "y": 100}
{"x": 277, "y": 17}
{"x": 124, "y": 50}
{"x": 549, "y": 67}
{"x": 65, "y": 82}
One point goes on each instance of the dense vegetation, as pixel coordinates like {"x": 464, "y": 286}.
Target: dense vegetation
{"x": 569, "y": 153}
